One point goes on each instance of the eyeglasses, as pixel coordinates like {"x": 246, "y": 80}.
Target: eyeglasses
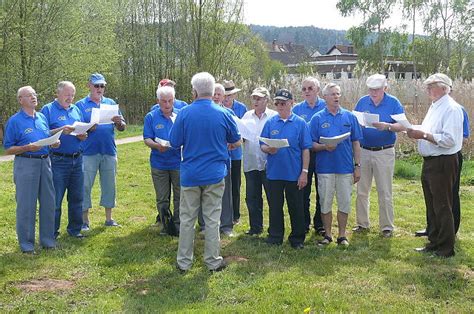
{"x": 309, "y": 88}
{"x": 99, "y": 86}
{"x": 280, "y": 103}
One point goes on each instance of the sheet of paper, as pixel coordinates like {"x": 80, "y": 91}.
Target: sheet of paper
{"x": 402, "y": 119}
{"x": 246, "y": 128}
{"x": 366, "y": 119}
{"x": 274, "y": 142}
{"x": 107, "y": 112}
{"x": 49, "y": 141}
{"x": 334, "y": 140}
{"x": 162, "y": 142}
{"x": 81, "y": 127}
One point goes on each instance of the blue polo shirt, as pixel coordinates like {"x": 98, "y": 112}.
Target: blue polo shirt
{"x": 57, "y": 117}
{"x": 157, "y": 125}
{"x": 287, "y": 164}
{"x": 203, "y": 129}
{"x": 303, "y": 110}
{"x": 177, "y": 104}
{"x": 465, "y": 123}
{"x": 22, "y": 129}
{"x": 239, "y": 109}
{"x": 326, "y": 124}
{"x": 101, "y": 140}
{"x": 388, "y": 106}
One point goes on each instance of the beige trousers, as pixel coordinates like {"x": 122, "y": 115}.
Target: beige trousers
{"x": 209, "y": 198}
{"x": 378, "y": 165}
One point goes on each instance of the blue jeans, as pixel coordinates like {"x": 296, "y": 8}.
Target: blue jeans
{"x": 68, "y": 175}
{"x": 255, "y": 179}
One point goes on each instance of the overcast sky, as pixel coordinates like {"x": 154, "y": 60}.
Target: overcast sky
{"x": 319, "y": 13}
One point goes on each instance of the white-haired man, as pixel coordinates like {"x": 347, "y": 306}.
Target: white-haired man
{"x": 203, "y": 130}
{"x": 439, "y": 140}
{"x": 164, "y": 160}
{"x": 377, "y": 158}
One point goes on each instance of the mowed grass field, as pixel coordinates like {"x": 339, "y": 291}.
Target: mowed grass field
{"x": 131, "y": 269}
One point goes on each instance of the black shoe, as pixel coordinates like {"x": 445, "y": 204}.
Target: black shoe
{"x": 423, "y": 249}
{"x": 387, "y": 233}
{"x": 222, "y": 266}
{"x": 360, "y": 229}
{"x": 180, "y": 270}
{"x": 272, "y": 242}
{"x": 32, "y": 252}
{"x": 437, "y": 254}
{"x": 321, "y": 232}
{"x": 421, "y": 233}
{"x": 297, "y": 246}
{"x": 252, "y": 233}
{"x": 78, "y": 236}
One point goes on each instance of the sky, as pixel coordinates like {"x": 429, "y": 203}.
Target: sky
{"x": 318, "y": 13}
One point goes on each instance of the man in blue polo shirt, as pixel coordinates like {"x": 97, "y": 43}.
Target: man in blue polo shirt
{"x": 306, "y": 110}
{"x": 337, "y": 164}
{"x": 66, "y": 161}
{"x": 203, "y": 130}
{"x": 377, "y": 158}
{"x": 100, "y": 153}
{"x": 235, "y": 155}
{"x": 164, "y": 160}
{"x": 31, "y": 172}
{"x": 287, "y": 170}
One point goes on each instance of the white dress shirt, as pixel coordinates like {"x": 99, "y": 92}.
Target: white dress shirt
{"x": 254, "y": 158}
{"x": 445, "y": 121}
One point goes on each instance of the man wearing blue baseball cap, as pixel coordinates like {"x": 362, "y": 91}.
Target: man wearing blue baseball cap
{"x": 99, "y": 151}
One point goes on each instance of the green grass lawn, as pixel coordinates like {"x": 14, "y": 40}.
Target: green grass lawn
{"x": 131, "y": 269}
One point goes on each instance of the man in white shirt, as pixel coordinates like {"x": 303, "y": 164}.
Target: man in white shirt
{"x": 255, "y": 160}
{"x": 439, "y": 140}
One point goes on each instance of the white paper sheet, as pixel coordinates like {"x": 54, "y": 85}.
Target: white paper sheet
{"x": 274, "y": 142}
{"x": 104, "y": 114}
{"x": 366, "y": 119}
{"x": 49, "y": 141}
{"x": 402, "y": 119}
{"x": 334, "y": 140}
{"x": 246, "y": 128}
{"x": 81, "y": 127}
{"x": 162, "y": 142}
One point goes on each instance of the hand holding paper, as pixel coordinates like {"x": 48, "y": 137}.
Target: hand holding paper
{"x": 334, "y": 140}
{"x": 81, "y": 127}
{"x": 274, "y": 142}
{"x": 49, "y": 141}
{"x": 366, "y": 119}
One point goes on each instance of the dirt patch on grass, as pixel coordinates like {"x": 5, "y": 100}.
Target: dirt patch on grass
{"x": 45, "y": 284}
{"x": 236, "y": 259}
{"x": 138, "y": 218}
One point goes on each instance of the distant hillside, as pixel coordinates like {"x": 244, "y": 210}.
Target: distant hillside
{"x": 313, "y": 38}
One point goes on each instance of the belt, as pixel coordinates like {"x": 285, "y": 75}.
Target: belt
{"x": 73, "y": 155}
{"x": 33, "y": 156}
{"x": 439, "y": 156}
{"x": 377, "y": 148}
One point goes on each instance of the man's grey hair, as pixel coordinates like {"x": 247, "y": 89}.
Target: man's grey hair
{"x": 220, "y": 87}
{"x": 313, "y": 80}
{"x": 63, "y": 84}
{"x": 328, "y": 88}
{"x": 203, "y": 83}
{"x": 164, "y": 91}
{"x": 21, "y": 89}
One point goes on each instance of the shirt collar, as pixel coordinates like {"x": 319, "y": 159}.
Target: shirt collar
{"x": 440, "y": 101}
{"x": 58, "y": 106}
{"x": 290, "y": 118}
{"x": 25, "y": 115}
{"x": 327, "y": 112}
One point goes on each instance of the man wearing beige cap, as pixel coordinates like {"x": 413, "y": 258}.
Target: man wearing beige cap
{"x": 235, "y": 155}
{"x": 439, "y": 140}
{"x": 255, "y": 160}
{"x": 377, "y": 154}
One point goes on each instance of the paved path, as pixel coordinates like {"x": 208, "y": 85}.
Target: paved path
{"x": 118, "y": 142}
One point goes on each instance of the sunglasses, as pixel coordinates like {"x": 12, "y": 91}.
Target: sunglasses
{"x": 310, "y": 88}
{"x": 99, "y": 86}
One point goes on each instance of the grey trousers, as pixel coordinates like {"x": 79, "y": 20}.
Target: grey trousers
{"x": 163, "y": 180}
{"x": 209, "y": 198}
{"x": 34, "y": 182}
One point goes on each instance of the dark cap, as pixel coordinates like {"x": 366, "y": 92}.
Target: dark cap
{"x": 283, "y": 94}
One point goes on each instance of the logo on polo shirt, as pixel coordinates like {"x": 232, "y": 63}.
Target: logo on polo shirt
{"x": 28, "y": 131}
{"x": 274, "y": 132}
{"x": 62, "y": 118}
{"x": 88, "y": 109}
{"x": 160, "y": 126}
{"x": 303, "y": 116}
{"x": 325, "y": 125}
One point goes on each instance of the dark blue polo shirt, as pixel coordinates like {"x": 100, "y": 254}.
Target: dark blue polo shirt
{"x": 287, "y": 163}
{"x": 388, "y": 106}
{"x": 22, "y": 129}
{"x": 203, "y": 129}
{"x": 57, "y": 117}
{"x": 157, "y": 125}
{"x": 303, "y": 110}
{"x": 101, "y": 140}
{"x": 326, "y": 124}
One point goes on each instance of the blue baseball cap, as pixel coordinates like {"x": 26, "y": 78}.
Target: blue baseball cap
{"x": 283, "y": 94}
{"x": 97, "y": 78}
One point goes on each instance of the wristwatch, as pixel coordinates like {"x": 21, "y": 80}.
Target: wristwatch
{"x": 305, "y": 170}
{"x": 356, "y": 165}
{"x": 425, "y": 136}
